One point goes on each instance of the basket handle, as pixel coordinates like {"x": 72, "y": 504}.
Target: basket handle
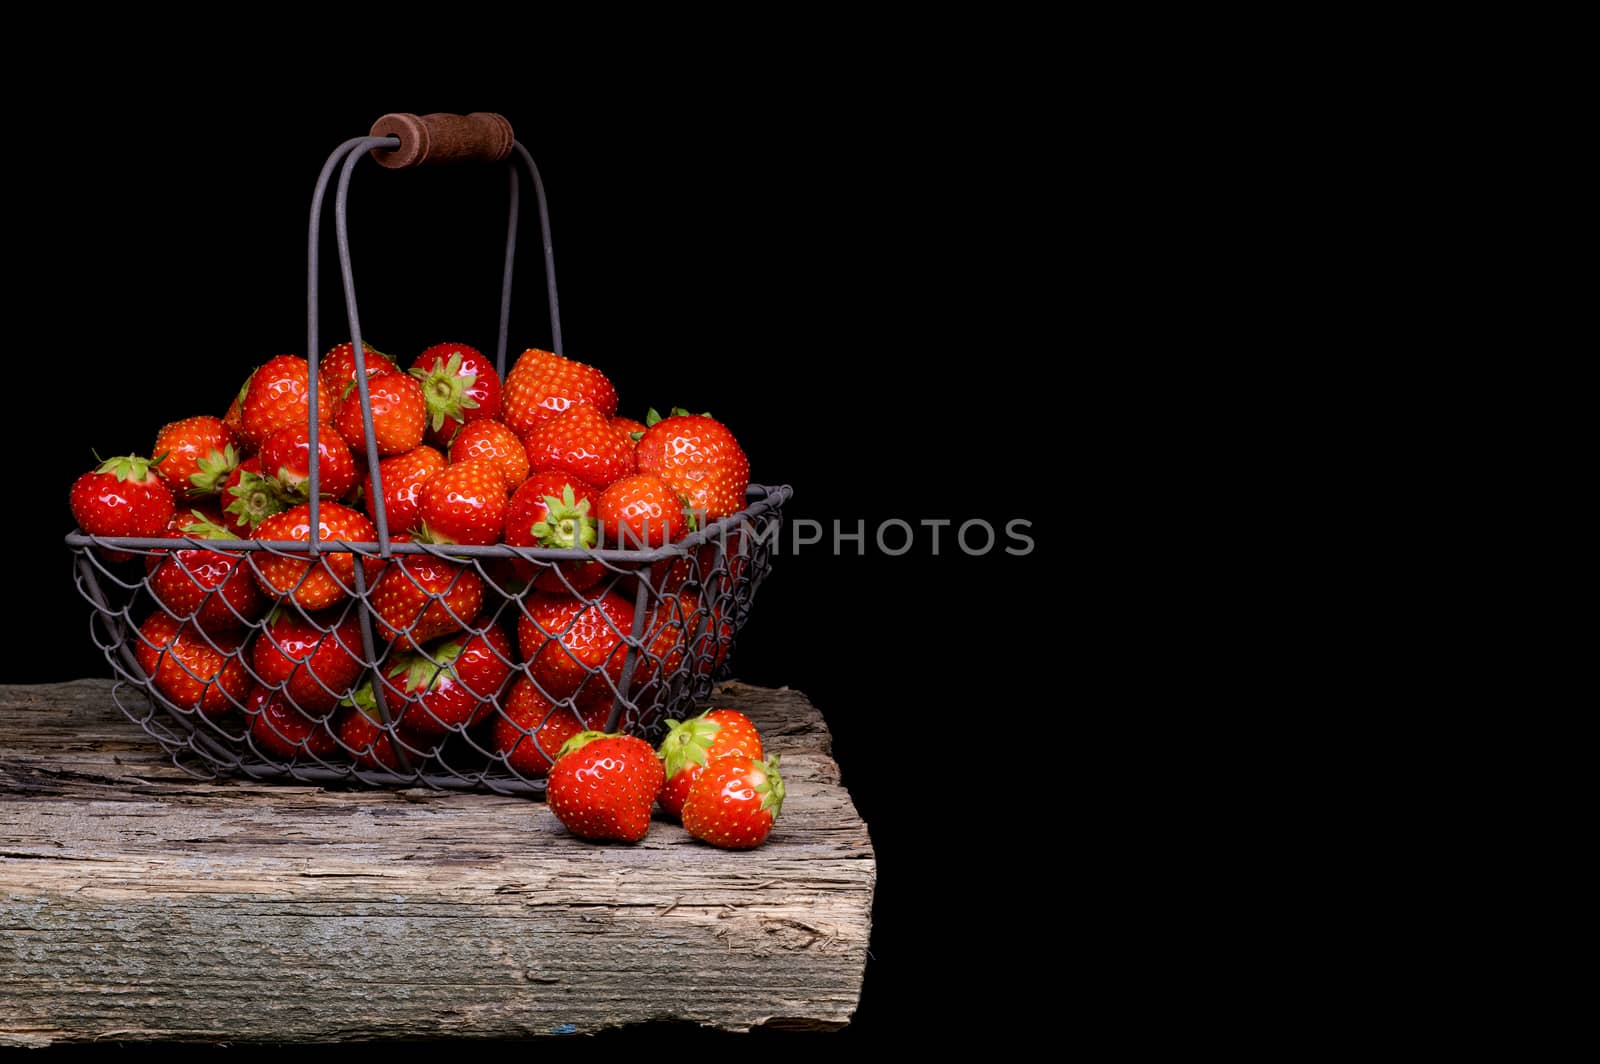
{"x": 428, "y": 140}
{"x": 343, "y": 160}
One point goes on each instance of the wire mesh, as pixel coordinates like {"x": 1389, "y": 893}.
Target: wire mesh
{"x": 485, "y": 659}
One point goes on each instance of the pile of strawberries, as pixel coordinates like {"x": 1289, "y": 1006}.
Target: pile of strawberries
{"x": 475, "y": 657}
{"x": 709, "y": 773}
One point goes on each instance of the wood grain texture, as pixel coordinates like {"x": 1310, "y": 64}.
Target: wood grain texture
{"x": 138, "y": 903}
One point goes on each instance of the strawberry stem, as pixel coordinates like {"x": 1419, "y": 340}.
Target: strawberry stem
{"x": 582, "y": 739}
{"x": 567, "y": 524}
{"x": 686, "y": 743}
{"x": 444, "y": 387}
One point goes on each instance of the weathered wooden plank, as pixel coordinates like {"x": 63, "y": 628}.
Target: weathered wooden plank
{"x": 138, "y": 903}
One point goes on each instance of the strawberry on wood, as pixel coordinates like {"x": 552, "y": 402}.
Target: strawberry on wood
{"x": 603, "y": 786}
{"x": 690, "y": 745}
{"x": 734, "y": 801}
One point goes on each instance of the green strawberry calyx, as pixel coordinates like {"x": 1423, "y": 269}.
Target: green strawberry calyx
{"x": 769, "y": 784}
{"x": 202, "y": 527}
{"x": 687, "y": 743}
{"x": 652, "y": 417}
{"x": 256, "y": 498}
{"x": 582, "y": 739}
{"x": 423, "y": 671}
{"x": 567, "y": 524}
{"x": 129, "y": 467}
{"x": 364, "y": 702}
{"x": 444, "y": 387}
{"x": 212, "y": 471}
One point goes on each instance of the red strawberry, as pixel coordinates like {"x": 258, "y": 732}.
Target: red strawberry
{"x": 711, "y": 637}
{"x": 699, "y": 457}
{"x": 399, "y": 415}
{"x": 355, "y": 497}
{"x": 121, "y": 497}
{"x": 450, "y": 685}
{"x": 493, "y": 441}
{"x": 248, "y": 498}
{"x": 286, "y": 455}
{"x": 630, "y": 429}
{"x": 461, "y": 386}
{"x": 553, "y": 510}
{"x": 403, "y": 476}
{"x": 277, "y": 395}
{"x": 602, "y": 786}
{"x": 339, "y": 366}
{"x": 318, "y": 583}
{"x": 582, "y": 444}
{"x": 213, "y": 589}
{"x": 234, "y": 417}
{"x": 278, "y": 729}
{"x": 315, "y": 661}
{"x": 464, "y": 503}
{"x": 422, "y": 597}
{"x": 689, "y": 745}
{"x": 361, "y": 731}
{"x": 191, "y": 669}
{"x": 200, "y": 453}
{"x": 542, "y": 386}
{"x": 641, "y": 511}
{"x": 530, "y": 730}
{"x": 569, "y": 642}
{"x": 668, "y": 626}
{"x": 733, "y": 802}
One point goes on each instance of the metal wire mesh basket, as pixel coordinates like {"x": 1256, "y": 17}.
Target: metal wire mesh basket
{"x": 505, "y": 651}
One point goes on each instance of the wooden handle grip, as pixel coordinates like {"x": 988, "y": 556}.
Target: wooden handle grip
{"x": 426, "y": 140}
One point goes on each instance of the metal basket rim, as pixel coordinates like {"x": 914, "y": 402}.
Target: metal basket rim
{"x": 771, "y": 497}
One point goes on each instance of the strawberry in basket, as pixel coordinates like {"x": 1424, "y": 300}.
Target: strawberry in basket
{"x": 460, "y": 385}
{"x": 212, "y": 589}
{"x": 199, "y": 453}
{"x": 327, "y": 580}
{"x": 452, "y": 684}
{"x": 190, "y": 668}
{"x": 698, "y": 456}
{"x": 122, "y": 497}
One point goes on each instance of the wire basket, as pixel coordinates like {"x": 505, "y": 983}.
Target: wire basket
{"x": 274, "y": 662}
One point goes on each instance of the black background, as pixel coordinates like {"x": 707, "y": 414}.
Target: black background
{"x": 871, "y": 292}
